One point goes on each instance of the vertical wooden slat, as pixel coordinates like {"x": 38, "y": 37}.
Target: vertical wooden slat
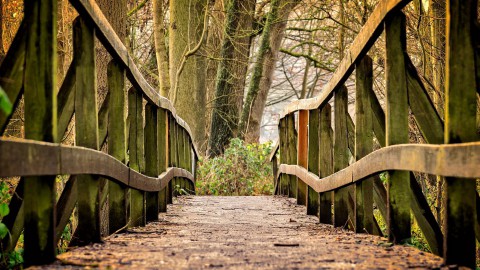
{"x": 172, "y": 133}
{"x": 291, "y": 153}
{"x": 169, "y": 155}
{"x": 151, "y": 160}
{"x": 162, "y": 143}
{"x": 86, "y": 129}
{"x": 117, "y": 144}
{"x": 302, "y": 154}
{"x": 399, "y": 221}
{"x": 326, "y": 161}
{"x": 313, "y": 159}
{"x": 283, "y": 190}
{"x": 460, "y": 126}
{"x": 340, "y": 161}
{"x": 136, "y": 155}
{"x": 363, "y": 144}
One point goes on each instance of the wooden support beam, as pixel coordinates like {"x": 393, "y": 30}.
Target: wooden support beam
{"x": 340, "y": 161}
{"x": 326, "y": 161}
{"x": 173, "y": 162}
{"x": 136, "y": 156}
{"x": 291, "y": 153}
{"x": 460, "y": 126}
{"x": 364, "y": 220}
{"x": 284, "y": 179}
{"x": 151, "y": 160}
{"x": 399, "y": 221}
{"x": 313, "y": 199}
{"x": 86, "y": 129}
{"x": 12, "y": 71}
{"x": 65, "y": 206}
{"x": 66, "y": 101}
{"x": 15, "y": 219}
{"x": 162, "y": 149}
{"x": 302, "y": 155}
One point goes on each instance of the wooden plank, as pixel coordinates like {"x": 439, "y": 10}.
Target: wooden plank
{"x": 460, "y": 126}
{"x": 151, "y": 159}
{"x": 66, "y": 101}
{"x": 313, "y": 159}
{"x": 426, "y": 116}
{"x": 136, "y": 155}
{"x": 169, "y": 154}
{"x": 117, "y": 200}
{"x": 326, "y": 161}
{"x": 40, "y": 124}
{"x": 340, "y": 160}
{"x": 12, "y": 72}
{"x": 350, "y": 134}
{"x": 86, "y": 130}
{"x": 162, "y": 148}
{"x": 173, "y": 154}
{"x": 291, "y": 153}
{"x": 399, "y": 221}
{"x": 65, "y": 205}
{"x": 284, "y": 179}
{"x": 302, "y": 155}
{"x": 364, "y": 220}
{"x": 378, "y": 119}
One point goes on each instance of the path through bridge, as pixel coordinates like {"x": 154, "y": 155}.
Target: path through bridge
{"x": 242, "y": 233}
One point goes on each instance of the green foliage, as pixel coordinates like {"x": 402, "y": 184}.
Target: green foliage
{"x": 242, "y": 170}
{"x": 14, "y": 258}
{"x": 5, "y": 104}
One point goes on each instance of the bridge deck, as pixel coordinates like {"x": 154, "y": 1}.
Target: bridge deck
{"x": 242, "y": 232}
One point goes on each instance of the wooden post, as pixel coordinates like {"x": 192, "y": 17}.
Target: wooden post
{"x": 364, "y": 144}
{"x": 86, "y": 129}
{"x": 116, "y": 143}
{"x": 284, "y": 180}
{"x": 340, "y": 161}
{"x": 292, "y": 153}
{"x": 326, "y": 161}
{"x": 182, "y": 183}
{"x": 172, "y": 135}
{"x": 40, "y": 124}
{"x": 162, "y": 143}
{"x": 136, "y": 157}
{"x": 399, "y": 221}
{"x": 302, "y": 155}
{"x": 151, "y": 160}
{"x": 313, "y": 159}
{"x": 460, "y": 126}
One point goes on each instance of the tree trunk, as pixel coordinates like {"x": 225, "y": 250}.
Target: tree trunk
{"x": 186, "y": 31}
{"x": 160, "y": 47}
{"x": 2, "y": 50}
{"x": 263, "y": 70}
{"x": 231, "y": 74}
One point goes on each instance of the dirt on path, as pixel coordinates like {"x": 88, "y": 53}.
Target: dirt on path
{"x": 242, "y": 233}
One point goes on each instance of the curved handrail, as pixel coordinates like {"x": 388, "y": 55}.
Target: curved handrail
{"x": 33, "y": 158}
{"x": 105, "y": 33}
{"x": 360, "y": 46}
{"x": 452, "y": 160}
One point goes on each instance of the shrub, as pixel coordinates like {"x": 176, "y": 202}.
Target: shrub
{"x": 242, "y": 170}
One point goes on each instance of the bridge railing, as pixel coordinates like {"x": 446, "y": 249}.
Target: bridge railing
{"x": 145, "y": 166}
{"x": 313, "y": 164}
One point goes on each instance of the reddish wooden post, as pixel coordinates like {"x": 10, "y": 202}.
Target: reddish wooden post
{"x": 302, "y": 154}
{"x": 460, "y": 126}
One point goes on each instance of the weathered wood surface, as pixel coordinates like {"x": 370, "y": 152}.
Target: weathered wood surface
{"x": 104, "y": 31}
{"x": 326, "y": 162}
{"x": 242, "y": 233}
{"x": 302, "y": 154}
{"x": 56, "y": 159}
{"x": 360, "y": 46}
{"x": 40, "y": 124}
{"x": 313, "y": 199}
{"x": 454, "y": 160}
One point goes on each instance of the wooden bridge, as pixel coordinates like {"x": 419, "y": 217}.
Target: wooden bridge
{"x": 314, "y": 159}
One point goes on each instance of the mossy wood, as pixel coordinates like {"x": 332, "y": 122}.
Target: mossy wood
{"x": 313, "y": 159}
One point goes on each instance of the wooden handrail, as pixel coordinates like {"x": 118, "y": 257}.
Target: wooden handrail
{"x": 33, "y": 158}
{"x": 452, "y": 160}
{"x": 359, "y": 48}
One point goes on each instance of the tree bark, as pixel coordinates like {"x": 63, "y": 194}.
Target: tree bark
{"x": 261, "y": 80}
{"x": 2, "y": 50}
{"x": 186, "y": 30}
{"x": 160, "y": 47}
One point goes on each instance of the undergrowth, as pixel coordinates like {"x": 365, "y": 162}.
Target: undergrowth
{"x": 242, "y": 170}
